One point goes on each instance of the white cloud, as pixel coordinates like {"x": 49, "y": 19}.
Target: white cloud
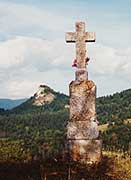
{"x": 20, "y": 19}
{"x": 26, "y": 62}
{"x": 21, "y": 88}
{"x": 27, "y": 58}
{"x": 110, "y": 61}
{"x": 33, "y": 52}
{"x": 110, "y": 68}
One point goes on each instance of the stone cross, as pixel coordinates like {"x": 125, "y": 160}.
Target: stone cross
{"x": 80, "y": 37}
{"x": 82, "y": 128}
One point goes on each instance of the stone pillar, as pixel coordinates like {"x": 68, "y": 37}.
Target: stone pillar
{"x": 82, "y": 128}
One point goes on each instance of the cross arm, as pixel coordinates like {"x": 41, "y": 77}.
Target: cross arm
{"x": 70, "y": 37}
{"x": 90, "y": 36}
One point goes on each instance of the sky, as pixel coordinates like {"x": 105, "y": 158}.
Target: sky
{"x": 33, "y": 50}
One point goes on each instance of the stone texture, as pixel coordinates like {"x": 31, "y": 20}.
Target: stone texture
{"x": 42, "y": 96}
{"x": 80, "y": 37}
{"x": 86, "y": 130}
{"x": 85, "y": 151}
{"x": 82, "y": 128}
{"x": 81, "y": 74}
{"x": 82, "y": 100}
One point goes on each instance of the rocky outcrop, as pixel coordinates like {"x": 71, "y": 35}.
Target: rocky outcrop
{"x": 43, "y": 95}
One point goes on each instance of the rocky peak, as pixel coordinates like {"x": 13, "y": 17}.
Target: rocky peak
{"x": 43, "y": 95}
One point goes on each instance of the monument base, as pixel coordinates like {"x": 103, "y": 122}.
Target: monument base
{"x": 85, "y": 151}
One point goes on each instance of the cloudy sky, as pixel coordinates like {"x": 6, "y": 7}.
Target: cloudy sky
{"x": 33, "y": 49}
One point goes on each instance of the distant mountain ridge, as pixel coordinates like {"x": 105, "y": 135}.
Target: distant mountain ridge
{"x": 10, "y": 103}
{"x": 111, "y": 108}
{"x": 45, "y": 99}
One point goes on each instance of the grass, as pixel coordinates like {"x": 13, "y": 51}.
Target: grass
{"x": 120, "y": 165}
{"x": 127, "y": 121}
{"x": 114, "y": 166}
{"x": 104, "y": 127}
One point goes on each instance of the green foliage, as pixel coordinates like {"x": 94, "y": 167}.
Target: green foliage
{"x": 114, "y": 108}
{"x": 44, "y": 126}
{"x": 36, "y": 129}
{"x": 59, "y": 103}
{"x": 117, "y": 137}
{"x": 11, "y": 150}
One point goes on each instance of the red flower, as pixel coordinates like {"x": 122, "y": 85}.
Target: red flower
{"x": 74, "y": 63}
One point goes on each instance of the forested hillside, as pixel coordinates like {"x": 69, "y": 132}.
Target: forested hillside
{"x": 35, "y": 127}
{"x": 57, "y": 104}
{"x": 114, "y": 108}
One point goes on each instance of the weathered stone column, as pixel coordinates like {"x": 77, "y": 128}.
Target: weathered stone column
{"x": 82, "y": 129}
